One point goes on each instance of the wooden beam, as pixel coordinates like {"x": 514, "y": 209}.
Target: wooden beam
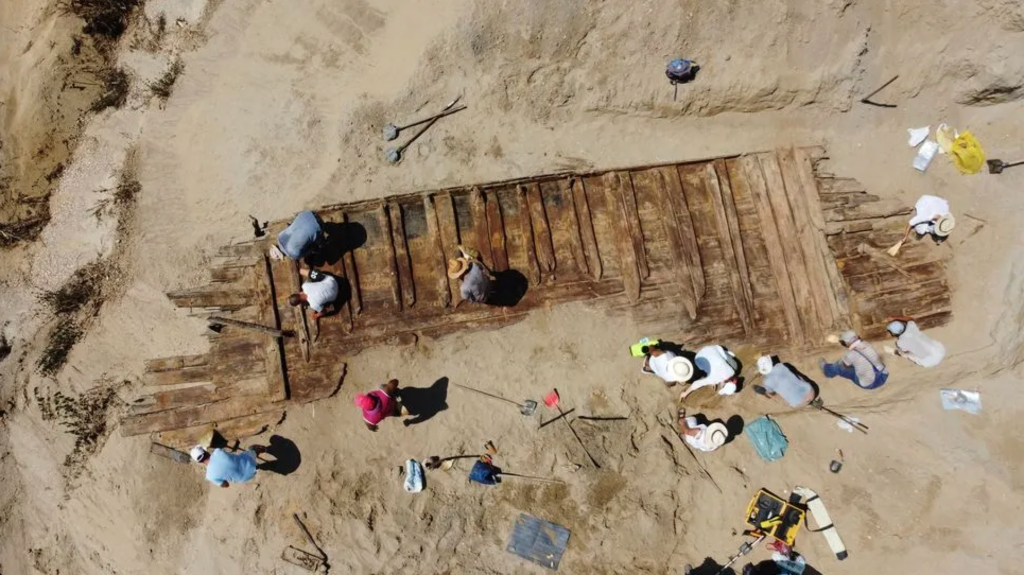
{"x": 448, "y": 231}
{"x": 299, "y": 311}
{"x": 496, "y": 229}
{"x": 402, "y": 262}
{"x": 194, "y": 415}
{"x": 623, "y": 240}
{"x": 390, "y": 255}
{"x": 541, "y": 231}
{"x": 655, "y": 179}
{"x": 631, "y": 217}
{"x": 574, "y": 233}
{"x": 728, "y": 236}
{"x": 526, "y": 229}
{"x": 248, "y": 326}
{"x": 177, "y": 362}
{"x": 352, "y": 274}
{"x": 774, "y": 246}
{"x": 277, "y": 373}
{"x": 684, "y": 218}
{"x": 480, "y": 231}
{"x": 809, "y": 237}
{"x": 586, "y": 224}
{"x": 795, "y": 264}
{"x": 440, "y": 264}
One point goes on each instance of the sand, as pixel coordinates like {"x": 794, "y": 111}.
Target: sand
{"x": 279, "y": 108}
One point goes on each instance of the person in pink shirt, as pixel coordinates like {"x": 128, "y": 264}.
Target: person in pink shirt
{"x": 379, "y": 404}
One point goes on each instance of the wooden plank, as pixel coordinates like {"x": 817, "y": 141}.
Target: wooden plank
{"x": 480, "y": 231}
{"x": 448, "y": 231}
{"x": 196, "y": 415}
{"x": 623, "y": 240}
{"x": 575, "y": 231}
{"x": 728, "y": 236}
{"x": 277, "y": 373}
{"x": 776, "y": 247}
{"x": 541, "y": 231}
{"x": 687, "y": 232}
{"x": 299, "y": 311}
{"x": 526, "y": 229}
{"x": 838, "y": 299}
{"x": 171, "y": 399}
{"x": 352, "y": 274}
{"x": 401, "y": 249}
{"x": 586, "y": 226}
{"x": 193, "y": 374}
{"x": 496, "y": 229}
{"x": 216, "y": 296}
{"x": 390, "y": 255}
{"x": 808, "y": 237}
{"x": 884, "y": 208}
{"x": 444, "y": 284}
{"x": 631, "y": 218}
{"x": 659, "y": 183}
{"x": 729, "y": 202}
{"x": 230, "y": 429}
{"x": 177, "y": 362}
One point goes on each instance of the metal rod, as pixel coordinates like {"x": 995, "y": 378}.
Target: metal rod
{"x": 556, "y": 418}
{"x": 882, "y": 87}
{"x": 488, "y": 394}
{"x": 434, "y": 117}
{"x": 250, "y": 326}
{"x": 533, "y": 477}
{"x": 574, "y": 434}
{"x": 309, "y": 536}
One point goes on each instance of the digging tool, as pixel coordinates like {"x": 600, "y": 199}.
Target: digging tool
{"x": 394, "y": 155}
{"x": 551, "y": 400}
{"x": 743, "y": 550}
{"x": 391, "y": 131}
{"x": 527, "y": 407}
{"x": 533, "y": 477}
{"x": 997, "y": 166}
{"x": 309, "y": 537}
{"x": 556, "y": 418}
{"x": 170, "y": 453}
{"x": 856, "y": 424}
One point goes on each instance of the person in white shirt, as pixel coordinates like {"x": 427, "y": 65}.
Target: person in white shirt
{"x": 319, "y": 293}
{"x": 931, "y": 216}
{"x": 665, "y": 364}
{"x": 704, "y": 437}
{"x": 914, "y": 345}
{"x": 719, "y": 368}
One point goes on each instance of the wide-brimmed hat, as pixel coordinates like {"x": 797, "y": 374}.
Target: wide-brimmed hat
{"x": 945, "y": 225}
{"x": 457, "y": 267}
{"x": 765, "y": 364}
{"x": 680, "y": 368}
{"x": 717, "y": 434}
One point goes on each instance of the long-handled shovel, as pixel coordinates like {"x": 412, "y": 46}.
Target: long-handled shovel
{"x": 551, "y": 400}
{"x": 855, "y": 424}
{"x": 997, "y": 166}
{"x": 527, "y": 407}
{"x": 532, "y": 477}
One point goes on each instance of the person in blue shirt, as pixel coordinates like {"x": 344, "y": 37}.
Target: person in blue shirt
{"x": 303, "y": 237}
{"x": 223, "y": 468}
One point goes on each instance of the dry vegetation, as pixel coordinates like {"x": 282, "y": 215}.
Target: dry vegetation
{"x": 75, "y": 304}
{"x": 84, "y": 417}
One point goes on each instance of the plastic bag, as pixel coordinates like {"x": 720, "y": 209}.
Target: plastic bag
{"x": 413, "y": 476}
{"x": 767, "y": 438}
{"x": 967, "y": 154}
{"x": 966, "y": 400}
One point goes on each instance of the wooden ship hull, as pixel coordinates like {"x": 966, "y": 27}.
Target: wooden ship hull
{"x": 763, "y": 248}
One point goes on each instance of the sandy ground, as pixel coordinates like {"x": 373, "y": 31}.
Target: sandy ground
{"x": 280, "y": 107}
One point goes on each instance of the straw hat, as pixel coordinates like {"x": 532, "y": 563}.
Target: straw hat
{"x": 945, "y": 225}
{"x": 680, "y": 368}
{"x": 717, "y": 434}
{"x": 764, "y": 364}
{"x": 457, "y": 267}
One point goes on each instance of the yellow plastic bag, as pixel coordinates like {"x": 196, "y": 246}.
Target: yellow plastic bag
{"x": 967, "y": 154}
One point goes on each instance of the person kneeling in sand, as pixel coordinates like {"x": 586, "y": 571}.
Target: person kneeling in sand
{"x": 861, "y": 365}
{"x": 705, "y": 437}
{"x": 912, "y": 344}
{"x": 223, "y": 468}
{"x": 318, "y": 293}
{"x": 476, "y": 281}
{"x": 782, "y": 382}
{"x": 718, "y": 366}
{"x": 665, "y": 364}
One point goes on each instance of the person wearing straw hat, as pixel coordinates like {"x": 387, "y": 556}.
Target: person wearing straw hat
{"x": 862, "y": 365}
{"x": 778, "y": 380}
{"x": 702, "y": 436}
{"x": 223, "y": 468}
{"x": 912, "y": 344}
{"x": 379, "y": 404}
{"x": 476, "y": 281}
{"x": 671, "y": 368}
{"x": 717, "y": 367}
{"x": 931, "y": 216}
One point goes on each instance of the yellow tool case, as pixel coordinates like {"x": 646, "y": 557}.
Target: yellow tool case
{"x": 770, "y": 514}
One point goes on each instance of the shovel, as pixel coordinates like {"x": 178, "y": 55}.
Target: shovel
{"x": 394, "y": 155}
{"x": 997, "y": 166}
{"x": 527, "y": 407}
{"x": 391, "y": 131}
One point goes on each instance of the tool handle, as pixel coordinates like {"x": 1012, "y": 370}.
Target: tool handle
{"x": 309, "y": 537}
{"x": 488, "y": 394}
{"x": 434, "y": 117}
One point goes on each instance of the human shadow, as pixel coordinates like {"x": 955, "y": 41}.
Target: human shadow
{"x": 339, "y": 238}
{"x": 287, "y": 457}
{"x": 710, "y": 567}
{"x": 735, "y": 425}
{"x": 510, "y": 287}
{"x": 424, "y": 403}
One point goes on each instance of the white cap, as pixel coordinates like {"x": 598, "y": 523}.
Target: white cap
{"x": 896, "y": 327}
{"x": 198, "y": 453}
{"x": 849, "y": 336}
{"x": 764, "y": 364}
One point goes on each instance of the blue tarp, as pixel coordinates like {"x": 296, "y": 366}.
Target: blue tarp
{"x": 767, "y": 438}
{"x": 539, "y": 541}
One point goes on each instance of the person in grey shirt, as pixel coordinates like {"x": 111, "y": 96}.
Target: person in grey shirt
{"x": 914, "y": 345}
{"x": 781, "y": 381}
{"x": 476, "y": 281}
